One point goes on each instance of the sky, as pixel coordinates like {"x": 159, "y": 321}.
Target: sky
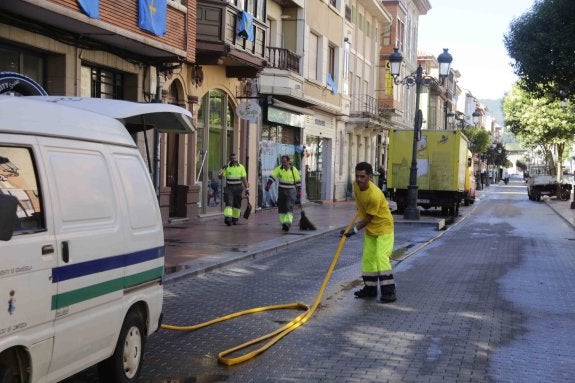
{"x": 473, "y": 31}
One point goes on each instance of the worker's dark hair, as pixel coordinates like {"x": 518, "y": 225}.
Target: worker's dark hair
{"x": 285, "y": 157}
{"x": 366, "y": 167}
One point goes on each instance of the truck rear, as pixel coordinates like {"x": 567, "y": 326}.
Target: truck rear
{"x": 443, "y": 166}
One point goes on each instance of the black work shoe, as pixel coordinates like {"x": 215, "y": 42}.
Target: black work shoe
{"x": 387, "y": 298}
{"x": 285, "y": 227}
{"x": 228, "y": 221}
{"x": 234, "y": 221}
{"x": 366, "y": 292}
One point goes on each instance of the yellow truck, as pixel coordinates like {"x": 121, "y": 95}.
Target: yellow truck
{"x": 444, "y": 169}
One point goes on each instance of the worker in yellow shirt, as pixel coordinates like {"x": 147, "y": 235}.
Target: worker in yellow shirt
{"x": 289, "y": 188}
{"x": 235, "y": 175}
{"x": 377, "y": 220}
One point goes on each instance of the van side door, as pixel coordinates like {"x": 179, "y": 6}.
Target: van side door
{"x": 90, "y": 241}
{"x": 28, "y": 258}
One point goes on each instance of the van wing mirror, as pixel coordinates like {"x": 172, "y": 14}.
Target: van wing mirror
{"x": 8, "y": 217}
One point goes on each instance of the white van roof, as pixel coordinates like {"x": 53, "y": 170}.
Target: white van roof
{"x": 135, "y": 116}
{"x": 24, "y": 115}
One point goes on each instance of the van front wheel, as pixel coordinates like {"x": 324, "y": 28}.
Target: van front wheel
{"x": 125, "y": 364}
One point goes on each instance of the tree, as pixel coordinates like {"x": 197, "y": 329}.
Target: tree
{"x": 544, "y": 123}
{"x": 479, "y": 139}
{"x": 541, "y": 43}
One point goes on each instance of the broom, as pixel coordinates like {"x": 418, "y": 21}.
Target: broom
{"x": 304, "y": 222}
{"x": 248, "y": 210}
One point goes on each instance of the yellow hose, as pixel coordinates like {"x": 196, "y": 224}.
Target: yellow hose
{"x": 274, "y": 335}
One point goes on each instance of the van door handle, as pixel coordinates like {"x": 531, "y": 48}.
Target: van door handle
{"x": 47, "y": 249}
{"x": 65, "y": 252}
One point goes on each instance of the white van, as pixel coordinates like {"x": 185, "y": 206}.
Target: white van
{"x": 81, "y": 240}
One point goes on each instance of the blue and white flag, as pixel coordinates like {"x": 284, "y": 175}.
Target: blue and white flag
{"x": 331, "y": 83}
{"x": 90, "y": 7}
{"x": 152, "y": 16}
{"x": 245, "y": 26}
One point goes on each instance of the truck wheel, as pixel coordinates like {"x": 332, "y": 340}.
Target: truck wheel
{"x": 564, "y": 195}
{"x": 125, "y": 364}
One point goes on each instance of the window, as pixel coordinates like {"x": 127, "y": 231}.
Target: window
{"x": 312, "y": 57}
{"x": 257, "y": 8}
{"x": 28, "y": 63}
{"x": 400, "y": 35}
{"x": 18, "y": 178}
{"x": 331, "y": 61}
{"x": 101, "y": 83}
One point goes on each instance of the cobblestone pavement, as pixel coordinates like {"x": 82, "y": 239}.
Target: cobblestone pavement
{"x": 490, "y": 300}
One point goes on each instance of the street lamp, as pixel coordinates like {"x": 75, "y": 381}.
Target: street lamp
{"x": 476, "y": 116}
{"x": 417, "y": 79}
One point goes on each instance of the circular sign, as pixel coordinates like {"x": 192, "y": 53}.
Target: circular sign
{"x": 16, "y": 84}
{"x": 249, "y": 110}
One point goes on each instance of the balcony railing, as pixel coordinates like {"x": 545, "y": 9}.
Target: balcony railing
{"x": 363, "y": 105}
{"x": 281, "y": 58}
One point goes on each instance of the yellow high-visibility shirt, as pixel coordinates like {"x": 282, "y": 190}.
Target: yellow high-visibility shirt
{"x": 234, "y": 174}
{"x": 372, "y": 201}
{"x": 289, "y": 178}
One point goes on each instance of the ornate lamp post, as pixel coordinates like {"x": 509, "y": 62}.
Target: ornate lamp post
{"x": 476, "y": 116}
{"x": 418, "y": 79}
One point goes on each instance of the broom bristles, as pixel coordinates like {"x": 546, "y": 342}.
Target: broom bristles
{"x": 305, "y": 223}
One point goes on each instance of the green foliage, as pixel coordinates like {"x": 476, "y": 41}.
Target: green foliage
{"x": 479, "y": 139}
{"x": 541, "y": 43}
{"x": 545, "y": 123}
{"x": 497, "y": 155}
{"x": 521, "y": 165}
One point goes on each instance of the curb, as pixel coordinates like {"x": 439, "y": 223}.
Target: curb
{"x": 570, "y": 222}
{"x": 215, "y": 262}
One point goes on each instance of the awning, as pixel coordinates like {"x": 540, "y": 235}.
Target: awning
{"x": 284, "y": 105}
{"x": 135, "y": 116}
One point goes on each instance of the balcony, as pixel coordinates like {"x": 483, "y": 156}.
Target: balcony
{"x": 282, "y": 76}
{"x": 363, "y": 106}
{"x": 284, "y": 59}
{"x": 218, "y": 43}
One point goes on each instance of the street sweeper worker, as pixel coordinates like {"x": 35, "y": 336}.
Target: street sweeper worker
{"x": 375, "y": 217}
{"x": 289, "y": 188}
{"x": 235, "y": 175}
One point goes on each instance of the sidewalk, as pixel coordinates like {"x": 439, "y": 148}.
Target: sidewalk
{"x": 563, "y": 208}
{"x": 197, "y": 247}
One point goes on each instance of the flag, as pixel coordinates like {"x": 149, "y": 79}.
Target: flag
{"x": 331, "y": 83}
{"x": 245, "y": 26}
{"x": 152, "y": 16}
{"x": 90, "y": 7}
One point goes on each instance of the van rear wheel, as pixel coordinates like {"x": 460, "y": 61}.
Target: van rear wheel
{"x": 125, "y": 364}
{"x": 6, "y": 375}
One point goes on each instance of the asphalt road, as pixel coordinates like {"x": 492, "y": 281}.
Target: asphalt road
{"x": 488, "y": 300}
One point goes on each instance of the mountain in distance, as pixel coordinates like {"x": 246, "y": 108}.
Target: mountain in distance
{"x": 494, "y": 110}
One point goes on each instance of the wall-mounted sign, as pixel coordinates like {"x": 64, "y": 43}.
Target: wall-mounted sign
{"x": 249, "y": 110}
{"x": 16, "y": 84}
{"x": 285, "y": 117}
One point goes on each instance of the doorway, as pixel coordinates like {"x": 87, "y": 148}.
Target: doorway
{"x": 216, "y": 121}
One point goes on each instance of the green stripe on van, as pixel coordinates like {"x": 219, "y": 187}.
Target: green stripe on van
{"x": 99, "y": 289}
